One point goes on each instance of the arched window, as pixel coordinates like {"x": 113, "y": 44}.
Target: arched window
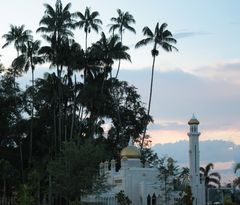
{"x": 191, "y": 129}
{"x": 148, "y": 200}
{"x": 154, "y": 199}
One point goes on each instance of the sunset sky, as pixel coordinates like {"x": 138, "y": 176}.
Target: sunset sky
{"x": 202, "y": 78}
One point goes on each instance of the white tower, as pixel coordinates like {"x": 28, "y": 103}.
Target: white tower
{"x": 197, "y": 187}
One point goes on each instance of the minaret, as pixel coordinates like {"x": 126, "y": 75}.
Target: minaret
{"x": 194, "y": 160}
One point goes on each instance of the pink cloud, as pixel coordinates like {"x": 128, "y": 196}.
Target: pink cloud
{"x": 171, "y": 136}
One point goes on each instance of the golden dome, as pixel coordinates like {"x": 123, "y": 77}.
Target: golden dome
{"x": 193, "y": 121}
{"x": 130, "y": 152}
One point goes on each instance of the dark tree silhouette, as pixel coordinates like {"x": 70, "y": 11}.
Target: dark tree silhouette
{"x": 88, "y": 21}
{"x": 122, "y": 23}
{"x": 160, "y": 37}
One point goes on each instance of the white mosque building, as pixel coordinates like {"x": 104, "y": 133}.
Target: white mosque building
{"x": 141, "y": 183}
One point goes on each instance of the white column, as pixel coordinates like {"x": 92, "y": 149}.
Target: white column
{"x": 194, "y": 159}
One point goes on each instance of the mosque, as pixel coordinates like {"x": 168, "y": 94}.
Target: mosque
{"x": 141, "y": 184}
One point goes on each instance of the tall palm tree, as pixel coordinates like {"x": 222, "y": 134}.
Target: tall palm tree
{"x": 29, "y": 59}
{"x": 108, "y": 50}
{"x": 211, "y": 179}
{"x": 56, "y": 26}
{"x": 122, "y": 23}
{"x": 160, "y": 37}
{"x": 88, "y": 21}
{"x": 105, "y": 51}
{"x": 18, "y": 36}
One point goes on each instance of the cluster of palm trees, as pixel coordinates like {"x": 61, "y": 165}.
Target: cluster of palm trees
{"x": 60, "y": 107}
{"x": 57, "y": 26}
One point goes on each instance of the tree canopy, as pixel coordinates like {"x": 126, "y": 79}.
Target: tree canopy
{"x": 54, "y": 130}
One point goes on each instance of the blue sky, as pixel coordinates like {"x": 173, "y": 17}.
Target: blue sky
{"x": 202, "y": 78}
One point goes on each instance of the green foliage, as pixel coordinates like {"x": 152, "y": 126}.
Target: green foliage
{"x": 228, "y": 200}
{"x": 24, "y": 196}
{"x": 168, "y": 171}
{"x": 6, "y": 169}
{"x": 187, "y": 198}
{"x": 53, "y": 131}
{"x": 122, "y": 199}
{"x": 75, "y": 171}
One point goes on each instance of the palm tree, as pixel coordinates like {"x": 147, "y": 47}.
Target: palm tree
{"x": 122, "y": 23}
{"x": 160, "y": 37}
{"x": 56, "y": 26}
{"x": 18, "y": 36}
{"x": 88, "y": 21}
{"x": 29, "y": 59}
{"x": 184, "y": 176}
{"x": 211, "y": 179}
{"x": 108, "y": 50}
{"x": 104, "y": 51}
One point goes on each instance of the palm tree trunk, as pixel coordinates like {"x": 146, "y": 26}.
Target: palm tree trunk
{"x": 55, "y": 128}
{"x": 59, "y": 125}
{"x": 149, "y": 102}
{"x": 119, "y": 63}
{"x": 60, "y": 113}
{"x": 86, "y": 42}
{"x": 49, "y": 189}
{"x": 21, "y": 159}
{"x": 32, "y": 115}
{"x": 73, "y": 110}
{"x": 4, "y": 190}
{"x": 38, "y": 193}
{"x": 65, "y": 121}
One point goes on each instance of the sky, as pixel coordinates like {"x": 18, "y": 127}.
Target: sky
{"x": 202, "y": 78}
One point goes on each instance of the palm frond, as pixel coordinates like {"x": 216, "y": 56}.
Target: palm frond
{"x": 143, "y": 42}
{"x": 209, "y": 167}
{"x": 19, "y": 62}
{"x": 237, "y": 167}
{"x": 130, "y": 28}
{"x": 215, "y": 174}
{"x": 147, "y": 32}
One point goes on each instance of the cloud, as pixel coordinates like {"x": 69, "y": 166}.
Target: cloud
{"x": 226, "y": 152}
{"x": 166, "y": 124}
{"x": 222, "y": 71}
{"x": 177, "y": 95}
{"x": 187, "y": 34}
{"x": 223, "y": 154}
